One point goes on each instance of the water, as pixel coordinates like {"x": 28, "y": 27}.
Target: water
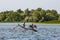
{"x": 45, "y": 32}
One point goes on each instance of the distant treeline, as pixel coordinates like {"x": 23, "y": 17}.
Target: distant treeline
{"x": 33, "y": 15}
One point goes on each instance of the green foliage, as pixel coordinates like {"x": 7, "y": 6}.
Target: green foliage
{"x": 19, "y": 11}
{"x": 34, "y": 15}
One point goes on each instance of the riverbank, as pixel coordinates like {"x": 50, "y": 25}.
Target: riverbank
{"x": 32, "y": 22}
{"x": 46, "y": 22}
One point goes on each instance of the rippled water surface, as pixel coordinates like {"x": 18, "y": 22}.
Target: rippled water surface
{"x": 45, "y": 32}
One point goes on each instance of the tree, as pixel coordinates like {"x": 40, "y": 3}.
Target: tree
{"x": 19, "y": 11}
{"x": 2, "y": 17}
{"x": 39, "y": 9}
{"x": 27, "y": 10}
{"x": 34, "y": 15}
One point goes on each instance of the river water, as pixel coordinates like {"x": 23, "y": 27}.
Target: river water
{"x": 45, "y": 32}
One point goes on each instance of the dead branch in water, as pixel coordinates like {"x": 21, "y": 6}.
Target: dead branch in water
{"x": 31, "y": 27}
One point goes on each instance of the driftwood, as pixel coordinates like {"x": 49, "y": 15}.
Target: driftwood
{"x": 31, "y": 27}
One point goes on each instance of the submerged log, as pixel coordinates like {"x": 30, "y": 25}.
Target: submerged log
{"x": 31, "y": 27}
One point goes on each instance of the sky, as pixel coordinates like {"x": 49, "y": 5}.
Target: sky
{"x": 31, "y": 4}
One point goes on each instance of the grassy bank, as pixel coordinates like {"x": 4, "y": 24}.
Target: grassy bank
{"x": 48, "y": 22}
